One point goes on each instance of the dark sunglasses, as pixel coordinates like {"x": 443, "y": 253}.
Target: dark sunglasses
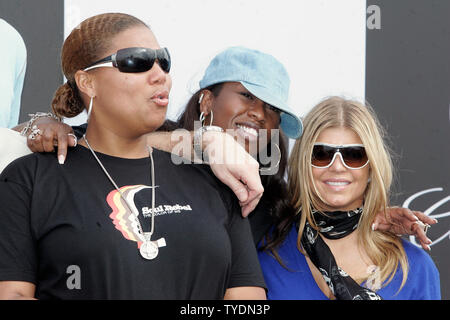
{"x": 134, "y": 60}
{"x": 353, "y": 156}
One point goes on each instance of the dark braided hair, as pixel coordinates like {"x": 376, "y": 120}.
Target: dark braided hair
{"x": 87, "y": 43}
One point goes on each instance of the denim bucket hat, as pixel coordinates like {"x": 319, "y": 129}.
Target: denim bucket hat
{"x": 262, "y": 75}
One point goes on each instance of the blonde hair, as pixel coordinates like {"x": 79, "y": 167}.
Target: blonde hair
{"x": 384, "y": 249}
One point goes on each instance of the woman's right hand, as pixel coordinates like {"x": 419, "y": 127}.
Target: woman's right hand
{"x": 52, "y": 134}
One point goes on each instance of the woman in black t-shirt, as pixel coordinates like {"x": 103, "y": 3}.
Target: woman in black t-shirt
{"x": 119, "y": 220}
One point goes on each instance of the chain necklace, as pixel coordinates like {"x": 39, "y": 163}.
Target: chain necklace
{"x": 149, "y": 249}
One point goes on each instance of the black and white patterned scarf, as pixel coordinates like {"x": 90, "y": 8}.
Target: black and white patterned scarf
{"x": 334, "y": 225}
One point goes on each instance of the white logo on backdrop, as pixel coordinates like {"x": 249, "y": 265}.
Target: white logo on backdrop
{"x": 429, "y": 211}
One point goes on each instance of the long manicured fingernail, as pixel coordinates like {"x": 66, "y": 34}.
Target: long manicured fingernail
{"x": 436, "y": 220}
{"x": 61, "y": 159}
{"x": 373, "y": 226}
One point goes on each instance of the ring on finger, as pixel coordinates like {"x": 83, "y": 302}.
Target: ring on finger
{"x": 423, "y": 226}
{"x": 35, "y": 131}
{"x": 74, "y": 138}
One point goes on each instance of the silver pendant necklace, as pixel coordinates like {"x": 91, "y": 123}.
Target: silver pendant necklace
{"x": 149, "y": 249}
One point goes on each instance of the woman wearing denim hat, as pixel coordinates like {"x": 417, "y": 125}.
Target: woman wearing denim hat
{"x": 323, "y": 245}
{"x": 242, "y": 90}
{"x": 245, "y": 93}
{"x": 119, "y": 220}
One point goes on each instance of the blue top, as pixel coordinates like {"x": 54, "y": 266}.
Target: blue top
{"x": 299, "y": 284}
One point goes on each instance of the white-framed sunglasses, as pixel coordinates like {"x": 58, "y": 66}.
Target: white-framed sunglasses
{"x": 353, "y": 156}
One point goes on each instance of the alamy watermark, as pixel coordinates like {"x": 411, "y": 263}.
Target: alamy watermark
{"x": 74, "y": 279}
{"x": 373, "y": 17}
{"x": 228, "y": 149}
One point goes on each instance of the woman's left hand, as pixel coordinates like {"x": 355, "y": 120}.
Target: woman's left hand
{"x": 403, "y": 221}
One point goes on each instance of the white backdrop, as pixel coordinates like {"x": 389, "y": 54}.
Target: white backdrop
{"x": 320, "y": 42}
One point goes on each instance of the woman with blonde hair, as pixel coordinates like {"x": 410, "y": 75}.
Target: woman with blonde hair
{"x": 323, "y": 246}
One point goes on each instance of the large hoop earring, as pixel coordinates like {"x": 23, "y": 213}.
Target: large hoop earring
{"x": 267, "y": 171}
{"x": 90, "y": 108}
{"x": 203, "y": 117}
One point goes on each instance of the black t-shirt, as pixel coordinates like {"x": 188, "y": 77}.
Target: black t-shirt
{"x": 66, "y": 229}
{"x": 260, "y": 218}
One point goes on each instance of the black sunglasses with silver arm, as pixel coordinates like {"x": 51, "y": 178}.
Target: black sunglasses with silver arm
{"x": 135, "y": 60}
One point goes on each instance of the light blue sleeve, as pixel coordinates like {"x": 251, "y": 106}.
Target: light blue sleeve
{"x": 17, "y": 95}
{"x": 12, "y": 74}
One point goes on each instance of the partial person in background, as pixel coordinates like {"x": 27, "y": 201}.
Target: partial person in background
{"x": 13, "y": 64}
{"x": 324, "y": 245}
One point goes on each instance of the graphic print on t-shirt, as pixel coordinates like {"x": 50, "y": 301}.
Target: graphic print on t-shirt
{"x": 123, "y": 219}
{"x": 126, "y": 221}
